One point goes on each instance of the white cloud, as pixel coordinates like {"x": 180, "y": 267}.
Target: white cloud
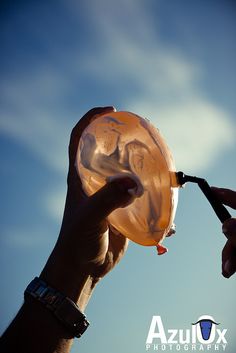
{"x": 25, "y": 117}
{"x": 25, "y": 238}
{"x": 168, "y": 92}
{"x": 54, "y": 203}
{"x": 198, "y": 132}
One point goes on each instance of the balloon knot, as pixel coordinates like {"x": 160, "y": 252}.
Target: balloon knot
{"x": 161, "y": 249}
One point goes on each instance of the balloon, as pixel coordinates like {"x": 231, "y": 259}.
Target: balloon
{"x": 123, "y": 143}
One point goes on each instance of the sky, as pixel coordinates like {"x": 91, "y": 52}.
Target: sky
{"x": 170, "y": 61}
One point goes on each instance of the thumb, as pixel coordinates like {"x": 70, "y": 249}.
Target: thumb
{"x": 119, "y": 192}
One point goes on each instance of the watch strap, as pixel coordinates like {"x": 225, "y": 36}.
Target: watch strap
{"x": 63, "y": 308}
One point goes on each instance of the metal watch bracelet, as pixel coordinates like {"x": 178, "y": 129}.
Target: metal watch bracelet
{"x": 63, "y": 308}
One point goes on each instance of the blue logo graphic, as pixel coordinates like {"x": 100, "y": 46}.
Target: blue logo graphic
{"x": 206, "y": 323}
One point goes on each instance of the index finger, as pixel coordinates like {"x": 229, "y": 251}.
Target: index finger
{"x": 79, "y": 128}
{"x": 73, "y": 180}
{"x": 226, "y": 196}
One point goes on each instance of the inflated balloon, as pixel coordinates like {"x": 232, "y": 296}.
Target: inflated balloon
{"x": 119, "y": 143}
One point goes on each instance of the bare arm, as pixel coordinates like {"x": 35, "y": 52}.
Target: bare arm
{"x": 86, "y": 250}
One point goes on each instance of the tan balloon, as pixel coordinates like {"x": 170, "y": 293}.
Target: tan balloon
{"x": 120, "y": 143}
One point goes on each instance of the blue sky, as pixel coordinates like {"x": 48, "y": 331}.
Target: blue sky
{"x": 170, "y": 61}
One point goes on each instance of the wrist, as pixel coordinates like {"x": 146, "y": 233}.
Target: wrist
{"x": 74, "y": 281}
{"x": 62, "y": 307}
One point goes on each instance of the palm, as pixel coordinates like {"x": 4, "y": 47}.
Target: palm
{"x": 117, "y": 245}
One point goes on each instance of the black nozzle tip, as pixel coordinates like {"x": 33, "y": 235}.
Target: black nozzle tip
{"x": 180, "y": 178}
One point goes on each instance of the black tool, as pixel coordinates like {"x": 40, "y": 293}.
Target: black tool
{"x": 220, "y": 210}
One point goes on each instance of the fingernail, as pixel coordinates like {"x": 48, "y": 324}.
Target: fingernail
{"x": 227, "y": 269}
{"x": 110, "y": 108}
{"x": 133, "y": 192}
{"x": 227, "y": 266}
{"x": 128, "y": 183}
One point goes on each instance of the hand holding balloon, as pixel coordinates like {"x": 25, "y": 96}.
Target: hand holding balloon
{"x": 123, "y": 143}
{"x": 88, "y": 247}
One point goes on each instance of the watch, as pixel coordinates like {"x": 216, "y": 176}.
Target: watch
{"x": 60, "y": 305}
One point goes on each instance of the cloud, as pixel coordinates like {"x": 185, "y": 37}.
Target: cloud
{"x": 26, "y": 117}
{"x": 54, "y": 203}
{"x": 25, "y": 238}
{"x": 166, "y": 81}
{"x": 198, "y": 132}
{"x": 166, "y": 88}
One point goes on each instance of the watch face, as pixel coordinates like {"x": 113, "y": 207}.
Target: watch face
{"x": 81, "y": 327}
{"x": 40, "y": 290}
{"x": 122, "y": 143}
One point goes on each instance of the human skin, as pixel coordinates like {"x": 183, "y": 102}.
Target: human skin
{"x": 86, "y": 250}
{"x": 228, "y": 197}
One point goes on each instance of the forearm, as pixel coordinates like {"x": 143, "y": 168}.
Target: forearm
{"x": 35, "y": 329}
{"x": 85, "y": 252}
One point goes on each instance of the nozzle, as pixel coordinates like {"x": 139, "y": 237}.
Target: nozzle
{"x": 221, "y": 212}
{"x": 183, "y": 178}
